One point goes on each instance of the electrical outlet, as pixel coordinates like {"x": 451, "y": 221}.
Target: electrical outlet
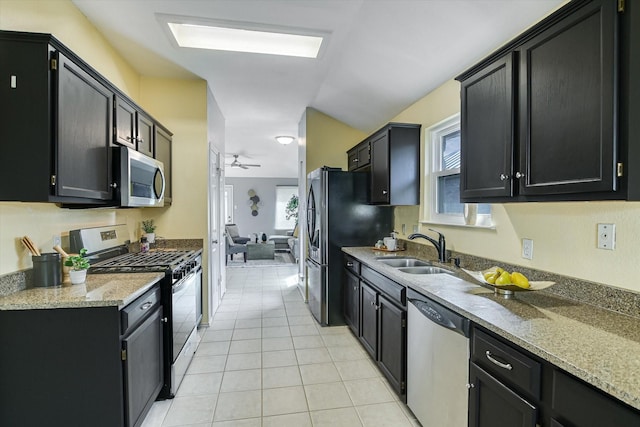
{"x": 57, "y": 240}
{"x": 607, "y": 236}
{"x": 527, "y": 248}
{"x": 404, "y": 229}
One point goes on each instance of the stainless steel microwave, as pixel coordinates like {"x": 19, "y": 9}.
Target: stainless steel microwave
{"x": 141, "y": 181}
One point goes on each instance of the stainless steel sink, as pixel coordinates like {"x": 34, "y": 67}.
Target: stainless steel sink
{"x": 424, "y": 270}
{"x": 404, "y": 262}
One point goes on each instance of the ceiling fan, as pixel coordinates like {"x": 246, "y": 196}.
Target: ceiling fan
{"x": 237, "y": 164}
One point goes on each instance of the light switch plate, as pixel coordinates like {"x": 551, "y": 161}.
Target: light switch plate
{"x": 527, "y": 248}
{"x": 607, "y": 236}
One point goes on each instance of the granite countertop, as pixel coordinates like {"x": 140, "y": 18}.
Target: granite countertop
{"x": 599, "y": 346}
{"x": 100, "y": 290}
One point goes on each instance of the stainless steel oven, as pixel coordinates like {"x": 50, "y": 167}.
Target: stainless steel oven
{"x": 184, "y": 321}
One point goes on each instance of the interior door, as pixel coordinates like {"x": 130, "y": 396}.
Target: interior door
{"x": 216, "y": 187}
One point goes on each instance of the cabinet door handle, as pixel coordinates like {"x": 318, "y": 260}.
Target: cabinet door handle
{"x": 140, "y": 140}
{"x": 355, "y": 288}
{"x": 519, "y": 175}
{"x": 355, "y": 160}
{"x": 506, "y": 366}
{"x": 349, "y": 264}
{"x": 470, "y": 386}
{"x": 128, "y": 138}
{"x": 164, "y": 319}
{"x": 384, "y": 191}
{"x": 114, "y": 185}
{"x": 504, "y": 177}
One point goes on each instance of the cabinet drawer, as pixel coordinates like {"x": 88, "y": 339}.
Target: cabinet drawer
{"x": 352, "y": 265}
{"x": 582, "y": 405}
{"x": 139, "y": 309}
{"x": 391, "y": 289}
{"x": 507, "y": 363}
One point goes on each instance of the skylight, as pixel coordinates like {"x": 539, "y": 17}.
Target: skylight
{"x": 243, "y": 40}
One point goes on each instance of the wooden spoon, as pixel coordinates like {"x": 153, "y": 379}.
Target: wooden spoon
{"x": 31, "y": 246}
{"x": 61, "y": 251}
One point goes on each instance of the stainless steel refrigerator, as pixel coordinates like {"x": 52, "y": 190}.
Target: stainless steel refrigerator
{"x": 337, "y": 215}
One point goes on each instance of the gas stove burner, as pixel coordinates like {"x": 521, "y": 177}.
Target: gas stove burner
{"x": 148, "y": 260}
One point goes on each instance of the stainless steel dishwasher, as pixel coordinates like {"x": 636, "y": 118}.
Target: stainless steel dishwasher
{"x": 437, "y": 363}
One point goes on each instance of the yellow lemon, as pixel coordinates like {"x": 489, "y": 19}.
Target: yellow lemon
{"x": 503, "y": 279}
{"x": 520, "y": 280}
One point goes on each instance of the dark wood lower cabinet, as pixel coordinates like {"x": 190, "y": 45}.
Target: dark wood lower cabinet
{"x": 143, "y": 368}
{"x": 74, "y": 367}
{"x": 493, "y": 404}
{"x": 392, "y": 343}
{"x": 369, "y": 325}
{"x": 352, "y": 301}
{"x": 383, "y": 333}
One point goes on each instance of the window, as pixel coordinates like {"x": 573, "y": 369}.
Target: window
{"x": 443, "y": 141}
{"x": 284, "y": 193}
{"x": 228, "y": 204}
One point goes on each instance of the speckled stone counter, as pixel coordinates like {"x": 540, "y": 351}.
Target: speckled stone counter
{"x": 599, "y": 346}
{"x": 99, "y": 290}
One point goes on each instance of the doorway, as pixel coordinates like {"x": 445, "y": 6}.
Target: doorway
{"x": 216, "y": 273}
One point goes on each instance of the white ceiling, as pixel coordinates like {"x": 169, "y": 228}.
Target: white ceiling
{"x": 381, "y": 56}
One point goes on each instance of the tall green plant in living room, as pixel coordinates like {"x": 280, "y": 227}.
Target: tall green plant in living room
{"x": 291, "y": 210}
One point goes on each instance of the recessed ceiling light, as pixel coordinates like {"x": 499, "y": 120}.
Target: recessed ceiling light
{"x": 245, "y": 40}
{"x": 285, "y": 140}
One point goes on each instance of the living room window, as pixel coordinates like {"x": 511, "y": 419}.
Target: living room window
{"x": 443, "y": 199}
{"x": 284, "y": 193}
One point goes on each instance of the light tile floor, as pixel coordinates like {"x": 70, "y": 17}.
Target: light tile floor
{"x": 264, "y": 361}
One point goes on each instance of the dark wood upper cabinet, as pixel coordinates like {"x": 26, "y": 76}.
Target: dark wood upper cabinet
{"x": 546, "y": 118}
{"x": 59, "y": 119}
{"x": 163, "y": 143}
{"x": 359, "y": 157}
{"x": 488, "y": 133}
{"x": 380, "y": 179}
{"x": 125, "y": 123}
{"x": 144, "y": 137}
{"x": 392, "y": 157}
{"x": 83, "y": 137}
{"x": 568, "y": 78}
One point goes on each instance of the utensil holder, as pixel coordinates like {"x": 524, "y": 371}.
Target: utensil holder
{"x": 47, "y": 270}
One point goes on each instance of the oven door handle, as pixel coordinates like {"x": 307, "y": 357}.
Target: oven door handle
{"x": 181, "y": 285}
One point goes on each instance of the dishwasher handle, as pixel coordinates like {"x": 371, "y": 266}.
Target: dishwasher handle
{"x": 442, "y": 316}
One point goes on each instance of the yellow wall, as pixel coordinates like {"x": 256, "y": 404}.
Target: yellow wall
{"x": 327, "y": 140}
{"x": 178, "y": 104}
{"x": 564, "y": 234}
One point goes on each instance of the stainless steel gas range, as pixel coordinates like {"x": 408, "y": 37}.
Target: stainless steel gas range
{"x": 181, "y": 290}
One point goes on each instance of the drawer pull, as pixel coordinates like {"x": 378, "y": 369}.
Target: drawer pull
{"x": 349, "y": 264}
{"x": 506, "y": 366}
{"x": 146, "y": 306}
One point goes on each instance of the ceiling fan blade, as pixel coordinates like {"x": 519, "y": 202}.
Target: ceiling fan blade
{"x": 254, "y": 166}
{"x": 243, "y": 166}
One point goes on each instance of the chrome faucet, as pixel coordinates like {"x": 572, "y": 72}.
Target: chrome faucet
{"x": 440, "y": 244}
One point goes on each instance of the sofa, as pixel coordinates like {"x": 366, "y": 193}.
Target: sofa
{"x": 288, "y": 242}
{"x": 293, "y": 243}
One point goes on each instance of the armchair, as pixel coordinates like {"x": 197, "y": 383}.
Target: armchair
{"x": 232, "y": 230}
{"x": 234, "y": 248}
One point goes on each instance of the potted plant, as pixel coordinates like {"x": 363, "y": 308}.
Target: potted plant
{"x": 149, "y": 230}
{"x": 291, "y": 210}
{"x": 79, "y": 266}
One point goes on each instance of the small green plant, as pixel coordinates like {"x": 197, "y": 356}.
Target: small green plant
{"x": 78, "y": 262}
{"x": 291, "y": 210}
{"x": 147, "y": 226}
